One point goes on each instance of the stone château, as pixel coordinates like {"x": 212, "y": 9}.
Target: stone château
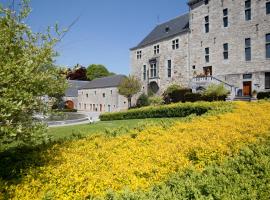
{"x": 218, "y": 41}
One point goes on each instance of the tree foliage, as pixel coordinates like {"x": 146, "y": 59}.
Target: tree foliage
{"x": 97, "y": 71}
{"x": 27, "y": 74}
{"x": 78, "y": 73}
{"x": 129, "y": 87}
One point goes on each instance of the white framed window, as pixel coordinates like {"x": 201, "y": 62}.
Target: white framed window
{"x": 175, "y": 44}
{"x": 156, "y": 49}
{"x": 153, "y": 70}
{"x": 139, "y": 55}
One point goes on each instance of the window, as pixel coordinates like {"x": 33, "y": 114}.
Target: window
{"x": 139, "y": 54}
{"x": 247, "y": 49}
{"x": 104, "y": 95}
{"x": 153, "y": 70}
{"x": 247, "y": 76}
{"x": 156, "y": 49}
{"x": 225, "y": 51}
{"x": 225, "y": 17}
{"x": 207, "y": 55}
{"x": 206, "y": 2}
{"x": 169, "y": 68}
{"x": 267, "y": 45}
{"x": 111, "y": 91}
{"x": 175, "y": 44}
{"x": 267, "y": 8}
{"x": 86, "y": 95}
{"x": 193, "y": 67}
{"x": 248, "y": 10}
{"x": 95, "y": 92}
{"x": 206, "y": 25}
{"x": 144, "y": 72}
{"x": 267, "y": 80}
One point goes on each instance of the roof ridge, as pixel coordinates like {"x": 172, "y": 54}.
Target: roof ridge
{"x": 177, "y": 25}
{"x": 179, "y": 16}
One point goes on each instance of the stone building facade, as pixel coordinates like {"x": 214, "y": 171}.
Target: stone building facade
{"x": 162, "y": 57}
{"x": 224, "y": 41}
{"x": 71, "y": 93}
{"x": 101, "y": 95}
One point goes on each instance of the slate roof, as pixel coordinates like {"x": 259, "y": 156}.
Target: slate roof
{"x": 106, "y": 82}
{"x": 73, "y": 87}
{"x": 191, "y": 2}
{"x": 175, "y": 26}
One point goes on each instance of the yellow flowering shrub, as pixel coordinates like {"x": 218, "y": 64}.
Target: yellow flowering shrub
{"x": 92, "y": 166}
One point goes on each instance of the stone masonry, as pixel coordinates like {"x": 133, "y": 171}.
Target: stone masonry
{"x": 189, "y": 60}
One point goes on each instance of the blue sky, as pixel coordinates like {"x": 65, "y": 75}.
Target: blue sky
{"x": 106, "y": 28}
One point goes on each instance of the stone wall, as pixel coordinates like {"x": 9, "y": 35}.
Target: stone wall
{"x": 231, "y": 70}
{"x": 178, "y": 57}
{"x": 189, "y": 59}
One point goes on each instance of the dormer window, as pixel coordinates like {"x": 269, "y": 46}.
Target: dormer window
{"x": 167, "y": 29}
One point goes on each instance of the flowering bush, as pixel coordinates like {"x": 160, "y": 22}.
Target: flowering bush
{"x": 98, "y": 165}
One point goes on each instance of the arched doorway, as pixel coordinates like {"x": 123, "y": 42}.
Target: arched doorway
{"x": 153, "y": 88}
{"x": 69, "y": 104}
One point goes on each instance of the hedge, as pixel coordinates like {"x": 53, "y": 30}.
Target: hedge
{"x": 193, "y": 97}
{"x": 172, "y": 110}
{"x": 263, "y": 95}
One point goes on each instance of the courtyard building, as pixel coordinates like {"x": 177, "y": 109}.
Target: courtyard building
{"x": 101, "y": 95}
{"x": 71, "y": 94}
{"x": 216, "y": 42}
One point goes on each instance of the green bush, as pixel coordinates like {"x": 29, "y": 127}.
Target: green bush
{"x": 156, "y": 101}
{"x": 142, "y": 101}
{"x": 192, "y": 97}
{"x": 173, "y": 110}
{"x": 214, "y": 90}
{"x": 175, "y": 94}
{"x": 263, "y": 95}
{"x": 213, "y": 97}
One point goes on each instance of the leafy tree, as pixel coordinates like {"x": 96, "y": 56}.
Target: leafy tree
{"x": 78, "y": 73}
{"x": 129, "y": 87}
{"x": 97, "y": 71}
{"x": 27, "y": 75}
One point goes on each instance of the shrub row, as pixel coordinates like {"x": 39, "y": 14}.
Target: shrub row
{"x": 173, "y": 110}
{"x": 193, "y": 97}
{"x": 263, "y": 95}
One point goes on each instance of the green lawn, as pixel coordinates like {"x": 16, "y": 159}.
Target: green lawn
{"x": 105, "y": 126}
